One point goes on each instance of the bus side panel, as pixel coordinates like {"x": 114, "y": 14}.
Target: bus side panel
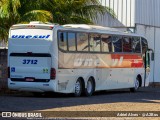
{"x": 67, "y": 78}
{"x": 120, "y": 78}
{"x": 110, "y": 71}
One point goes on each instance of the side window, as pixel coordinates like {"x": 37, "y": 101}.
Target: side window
{"x": 144, "y": 45}
{"x": 82, "y": 42}
{"x": 95, "y": 42}
{"x": 136, "y": 46}
{"x": 62, "y": 40}
{"x": 117, "y": 43}
{"x": 71, "y": 41}
{"x": 106, "y": 43}
{"x": 127, "y": 44}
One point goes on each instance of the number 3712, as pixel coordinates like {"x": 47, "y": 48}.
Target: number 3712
{"x": 27, "y": 61}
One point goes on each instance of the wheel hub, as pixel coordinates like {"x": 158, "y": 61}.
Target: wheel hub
{"x": 137, "y": 84}
{"x": 77, "y": 87}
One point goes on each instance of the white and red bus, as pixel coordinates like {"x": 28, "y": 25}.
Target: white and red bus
{"x": 75, "y": 58}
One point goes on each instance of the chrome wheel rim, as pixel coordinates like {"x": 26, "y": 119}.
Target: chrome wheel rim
{"x": 137, "y": 84}
{"x": 77, "y": 87}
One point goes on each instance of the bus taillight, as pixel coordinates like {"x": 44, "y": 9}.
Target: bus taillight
{"x": 53, "y": 73}
{"x": 8, "y": 72}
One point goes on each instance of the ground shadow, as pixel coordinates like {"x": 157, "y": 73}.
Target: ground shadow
{"x": 28, "y": 102}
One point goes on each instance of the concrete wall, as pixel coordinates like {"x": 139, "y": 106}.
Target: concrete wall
{"x": 153, "y": 36}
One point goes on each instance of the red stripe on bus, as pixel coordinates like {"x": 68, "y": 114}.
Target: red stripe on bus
{"x": 135, "y": 65}
{"x": 125, "y": 56}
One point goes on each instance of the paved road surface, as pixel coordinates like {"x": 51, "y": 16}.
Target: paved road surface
{"x": 147, "y": 99}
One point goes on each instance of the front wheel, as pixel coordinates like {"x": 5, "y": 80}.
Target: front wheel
{"x": 90, "y": 87}
{"x": 78, "y": 88}
{"x": 136, "y": 86}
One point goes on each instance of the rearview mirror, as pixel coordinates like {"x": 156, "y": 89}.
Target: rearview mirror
{"x": 152, "y": 56}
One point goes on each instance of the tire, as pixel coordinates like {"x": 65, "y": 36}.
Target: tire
{"x": 90, "y": 87}
{"x": 78, "y": 88}
{"x": 136, "y": 86}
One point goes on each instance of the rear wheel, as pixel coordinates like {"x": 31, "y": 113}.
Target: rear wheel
{"x": 137, "y": 85}
{"x": 90, "y": 87}
{"x": 78, "y": 88}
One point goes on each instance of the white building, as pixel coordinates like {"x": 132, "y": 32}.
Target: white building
{"x": 144, "y": 17}
{"x": 147, "y": 22}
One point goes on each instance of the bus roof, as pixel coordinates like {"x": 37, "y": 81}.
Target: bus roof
{"x": 72, "y": 27}
{"x": 34, "y": 24}
{"x": 89, "y": 27}
{"x": 98, "y": 29}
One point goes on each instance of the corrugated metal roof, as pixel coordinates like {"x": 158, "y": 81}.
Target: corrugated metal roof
{"x": 146, "y": 12}
{"x": 108, "y": 21}
{"x": 124, "y": 11}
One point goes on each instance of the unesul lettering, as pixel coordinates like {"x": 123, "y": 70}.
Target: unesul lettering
{"x": 31, "y": 36}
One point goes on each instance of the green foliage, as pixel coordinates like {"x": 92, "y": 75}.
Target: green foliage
{"x": 57, "y": 11}
{"x": 20, "y": 11}
{"x": 74, "y": 11}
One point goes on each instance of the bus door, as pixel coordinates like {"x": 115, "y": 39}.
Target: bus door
{"x": 147, "y": 68}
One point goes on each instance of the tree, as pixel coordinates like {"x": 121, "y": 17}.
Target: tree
{"x": 20, "y": 11}
{"x": 57, "y": 11}
{"x": 75, "y": 11}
